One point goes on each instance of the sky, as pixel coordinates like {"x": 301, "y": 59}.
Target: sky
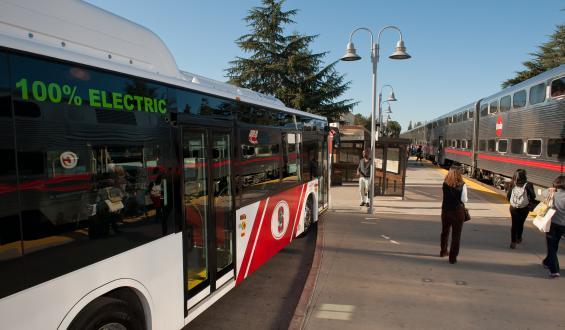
{"x": 461, "y": 50}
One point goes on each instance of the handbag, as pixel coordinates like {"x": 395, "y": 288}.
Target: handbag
{"x": 543, "y": 206}
{"x": 543, "y": 223}
{"x": 114, "y": 202}
{"x": 467, "y": 214}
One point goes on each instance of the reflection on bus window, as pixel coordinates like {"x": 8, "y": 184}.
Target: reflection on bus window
{"x": 259, "y": 163}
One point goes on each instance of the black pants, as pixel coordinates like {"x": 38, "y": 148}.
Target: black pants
{"x": 452, "y": 220}
{"x": 553, "y": 238}
{"x": 519, "y": 216}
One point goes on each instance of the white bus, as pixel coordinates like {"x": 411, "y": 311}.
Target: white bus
{"x": 134, "y": 195}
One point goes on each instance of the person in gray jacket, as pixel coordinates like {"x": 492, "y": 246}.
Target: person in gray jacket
{"x": 557, "y": 228}
{"x": 364, "y": 174}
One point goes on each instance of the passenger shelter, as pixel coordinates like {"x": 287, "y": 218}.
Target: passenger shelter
{"x": 391, "y": 160}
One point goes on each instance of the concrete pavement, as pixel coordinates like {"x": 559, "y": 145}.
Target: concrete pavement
{"x": 383, "y": 271}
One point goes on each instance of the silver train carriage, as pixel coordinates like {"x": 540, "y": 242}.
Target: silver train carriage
{"x": 522, "y": 126}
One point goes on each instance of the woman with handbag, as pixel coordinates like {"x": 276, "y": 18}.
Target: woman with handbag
{"x": 557, "y": 228}
{"x": 452, "y": 212}
{"x": 522, "y": 198}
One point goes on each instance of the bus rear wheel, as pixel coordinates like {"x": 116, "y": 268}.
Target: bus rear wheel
{"x": 308, "y": 213}
{"x": 106, "y": 313}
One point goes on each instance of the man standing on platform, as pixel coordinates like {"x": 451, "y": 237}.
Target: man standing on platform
{"x": 364, "y": 173}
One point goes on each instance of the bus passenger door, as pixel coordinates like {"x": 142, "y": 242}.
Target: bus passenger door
{"x": 208, "y": 211}
{"x": 222, "y": 206}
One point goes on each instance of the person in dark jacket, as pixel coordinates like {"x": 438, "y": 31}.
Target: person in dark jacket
{"x": 557, "y": 228}
{"x": 452, "y": 212}
{"x": 522, "y": 198}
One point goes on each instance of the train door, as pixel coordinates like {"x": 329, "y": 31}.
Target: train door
{"x": 440, "y": 152}
{"x": 208, "y": 211}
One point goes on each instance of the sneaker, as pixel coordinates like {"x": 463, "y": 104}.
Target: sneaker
{"x": 519, "y": 240}
{"x": 362, "y": 204}
{"x": 554, "y": 275}
{"x": 512, "y": 245}
{"x": 443, "y": 254}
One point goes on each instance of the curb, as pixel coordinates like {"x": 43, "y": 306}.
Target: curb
{"x": 304, "y": 304}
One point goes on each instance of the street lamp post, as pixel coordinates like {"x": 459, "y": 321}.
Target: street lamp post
{"x": 351, "y": 55}
{"x": 382, "y": 128}
{"x": 391, "y": 98}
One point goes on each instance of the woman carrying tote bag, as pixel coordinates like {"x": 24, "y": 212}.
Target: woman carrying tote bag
{"x": 557, "y": 228}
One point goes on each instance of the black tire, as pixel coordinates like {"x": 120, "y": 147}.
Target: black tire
{"x": 107, "y": 313}
{"x": 308, "y": 213}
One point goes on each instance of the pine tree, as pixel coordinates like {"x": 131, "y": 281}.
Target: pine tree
{"x": 550, "y": 55}
{"x": 284, "y": 66}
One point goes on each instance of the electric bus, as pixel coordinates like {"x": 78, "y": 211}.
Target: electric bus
{"x": 133, "y": 194}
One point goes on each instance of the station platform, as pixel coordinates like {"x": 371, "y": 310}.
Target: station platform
{"x": 383, "y": 270}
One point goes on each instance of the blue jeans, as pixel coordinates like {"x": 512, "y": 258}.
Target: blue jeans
{"x": 553, "y": 237}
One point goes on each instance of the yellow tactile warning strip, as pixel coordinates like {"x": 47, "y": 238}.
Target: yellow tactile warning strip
{"x": 475, "y": 186}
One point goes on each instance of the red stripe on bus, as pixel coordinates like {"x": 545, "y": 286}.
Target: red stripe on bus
{"x": 547, "y": 166}
{"x": 298, "y": 211}
{"x": 245, "y": 263}
{"x": 458, "y": 152}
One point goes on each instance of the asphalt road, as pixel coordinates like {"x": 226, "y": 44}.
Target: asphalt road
{"x": 266, "y": 299}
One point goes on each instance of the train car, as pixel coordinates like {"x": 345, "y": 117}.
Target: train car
{"x": 455, "y": 137}
{"x": 522, "y": 126}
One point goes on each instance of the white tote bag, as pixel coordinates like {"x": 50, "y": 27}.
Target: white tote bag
{"x": 544, "y": 222}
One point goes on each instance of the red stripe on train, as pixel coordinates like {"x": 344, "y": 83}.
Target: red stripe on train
{"x": 517, "y": 161}
{"x": 458, "y": 152}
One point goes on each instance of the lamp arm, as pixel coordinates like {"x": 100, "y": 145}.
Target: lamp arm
{"x": 361, "y": 28}
{"x": 379, "y": 38}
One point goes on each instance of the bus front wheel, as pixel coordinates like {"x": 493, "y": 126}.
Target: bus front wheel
{"x": 107, "y": 313}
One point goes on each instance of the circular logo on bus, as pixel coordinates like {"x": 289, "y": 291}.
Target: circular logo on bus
{"x": 499, "y": 126}
{"x": 68, "y": 159}
{"x": 280, "y": 219}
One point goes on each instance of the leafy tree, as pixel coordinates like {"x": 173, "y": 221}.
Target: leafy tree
{"x": 392, "y": 129}
{"x": 284, "y": 66}
{"x": 550, "y": 55}
{"x": 362, "y": 120}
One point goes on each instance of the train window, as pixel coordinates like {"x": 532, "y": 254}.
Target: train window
{"x": 537, "y": 94}
{"x": 517, "y": 146}
{"x": 558, "y": 87}
{"x": 556, "y": 148}
{"x": 482, "y": 145}
{"x": 502, "y": 146}
{"x": 505, "y": 103}
{"x": 469, "y": 144}
{"x": 491, "y": 146}
{"x": 463, "y": 144}
{"x": 484, "y": 110}
{"x": 533, "y": 147}
{"x": 470, "y": 116}
{"x": 519, "y": 99}
{"x": 458, "y": 143}
{"x": 493, "y": 107}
